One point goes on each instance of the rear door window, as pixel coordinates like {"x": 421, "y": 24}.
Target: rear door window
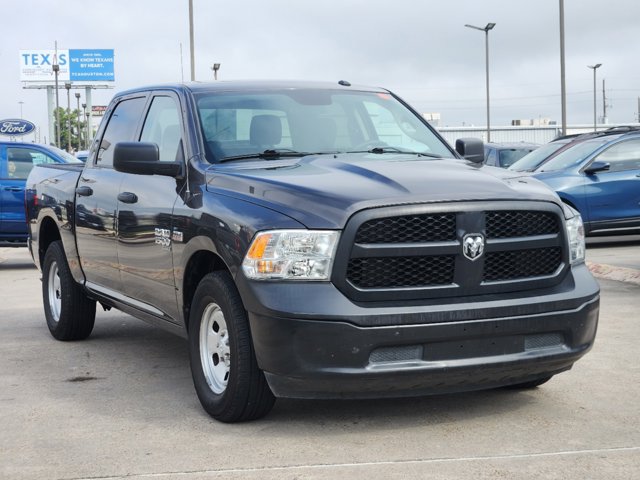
{"x": 122, "y": 127}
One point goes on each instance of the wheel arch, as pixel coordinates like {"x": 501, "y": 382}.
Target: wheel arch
{"x": 200, "y": 263}
{"x": 48, "y": 233}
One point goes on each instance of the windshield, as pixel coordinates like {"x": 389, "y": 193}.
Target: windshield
{"x": 572, "y": 156}
{"x": 509, "y": 157}
{"x": 297, "y": 122}
{"x": 532, "y": 160}
{"x": 67, "y": 157}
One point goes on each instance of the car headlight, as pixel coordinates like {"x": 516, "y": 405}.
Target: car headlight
{"x": 291, "y": 255}
{"x": 575, "y": 234}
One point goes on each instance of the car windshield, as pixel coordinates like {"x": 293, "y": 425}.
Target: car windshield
{"x": 572, "y": 156}
{"x": 531, "y": 161}
{"x": 272, "y": 124}
{"x": 67, "y": 157}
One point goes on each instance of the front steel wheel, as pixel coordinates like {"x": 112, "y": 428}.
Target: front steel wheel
{"x": 230, "y": 385}
{"x": 215, "y": 354}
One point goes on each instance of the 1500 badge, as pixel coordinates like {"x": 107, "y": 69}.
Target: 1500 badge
{"x": 164, "y": 237}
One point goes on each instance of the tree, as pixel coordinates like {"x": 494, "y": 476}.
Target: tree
{"x": 78, "y": 131}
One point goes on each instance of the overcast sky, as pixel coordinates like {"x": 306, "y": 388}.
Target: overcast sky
{"x": 420, "y": 49}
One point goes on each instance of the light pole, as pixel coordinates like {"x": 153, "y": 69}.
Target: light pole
{"x": 86, "y": 137}
{"x": 67, "y": 85}
{"x": 594, "y": 68}
{"x": 56, "y": 70}
{"x": 215, "y": 68}
{"x": 191, "y": 46}
{"x": 78, "y": 126}
{"x": 563, "y": 88}
{"x": 486, "y": 37}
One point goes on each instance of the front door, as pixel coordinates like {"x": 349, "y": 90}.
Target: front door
{"x": 19, "y": 162}
{"x": 145, "y": 209}
{"x": 613, "y": 196}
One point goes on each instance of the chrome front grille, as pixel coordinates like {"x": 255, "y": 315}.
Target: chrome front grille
{"x": 413, "y": 253}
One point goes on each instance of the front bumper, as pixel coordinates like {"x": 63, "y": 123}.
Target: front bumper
{"x": 311, "y": 342}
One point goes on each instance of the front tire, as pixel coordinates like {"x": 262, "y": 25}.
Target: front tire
{"x": 69, "y": 312}
{"x": 229, "y": 384}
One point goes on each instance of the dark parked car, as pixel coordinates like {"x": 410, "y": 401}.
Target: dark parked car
{"x": 599, "y": 177}
{"x": 16, "y": 161}
{"x": 505, "y": 154}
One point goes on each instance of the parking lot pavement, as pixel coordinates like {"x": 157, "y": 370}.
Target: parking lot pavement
{"x": 121, "y": 405}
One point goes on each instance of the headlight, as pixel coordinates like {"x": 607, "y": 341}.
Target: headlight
{"x": 291, "y": 254}
{"x": 575, "y": 234}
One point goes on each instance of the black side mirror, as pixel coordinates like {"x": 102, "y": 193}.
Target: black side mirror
{"x": 142, "y": 158}
{"x": 471, "y": 148}
{"x": 597, "y": 166}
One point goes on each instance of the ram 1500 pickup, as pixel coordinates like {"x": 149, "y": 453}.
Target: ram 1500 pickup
{"x": 311, "y": 240}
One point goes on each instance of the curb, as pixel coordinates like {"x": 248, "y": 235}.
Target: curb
{"x": 619, "y": 274}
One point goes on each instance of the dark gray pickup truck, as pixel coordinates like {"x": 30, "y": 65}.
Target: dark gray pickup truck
{"x": 311, "y": 241}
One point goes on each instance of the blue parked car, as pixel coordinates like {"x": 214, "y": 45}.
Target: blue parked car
{"x": 16, "y": 161}
{"x": 599, "y": 177}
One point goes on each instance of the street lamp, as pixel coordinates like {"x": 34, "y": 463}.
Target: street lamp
{"x": 563, "y": 88}
{"x": 215, "y": 68}
{"x": 78, "y": 126}
{"x": 594, "y": 68}
{"x": 486, "y": 36}
{"x": 67, "y": 85}
{"x": 86, "y": 117}
{"x": 56, "y": 70}
{"x": 191, "y": 43}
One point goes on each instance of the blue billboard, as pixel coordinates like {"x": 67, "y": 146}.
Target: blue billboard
{"x": 91, "y": 65}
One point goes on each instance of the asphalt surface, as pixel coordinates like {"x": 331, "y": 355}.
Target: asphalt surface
{"x": 122, "y": 405}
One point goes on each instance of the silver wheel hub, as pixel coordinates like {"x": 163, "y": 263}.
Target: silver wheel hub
{"x": 215, "y": 354}
{"x": 55, "y": 292}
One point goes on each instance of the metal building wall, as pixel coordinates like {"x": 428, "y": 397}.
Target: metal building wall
{"x": 530, "y": 134}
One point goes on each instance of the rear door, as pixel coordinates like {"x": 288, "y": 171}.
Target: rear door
{"x": 17, "y": 163}
{"x": 97, "y": 199}
{"x": 613, "y": 196}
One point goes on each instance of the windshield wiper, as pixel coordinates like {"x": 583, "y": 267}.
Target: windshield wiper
{"x": 381, "y": 150}
{"x": 269, "y": 154}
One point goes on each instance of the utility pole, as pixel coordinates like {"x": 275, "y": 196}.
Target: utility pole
{"x": 604, "y": 104}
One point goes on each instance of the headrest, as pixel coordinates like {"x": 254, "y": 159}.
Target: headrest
{"x": 265, "y": 130}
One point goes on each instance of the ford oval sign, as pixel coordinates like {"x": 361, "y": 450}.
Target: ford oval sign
{"x": 14, "y": 126}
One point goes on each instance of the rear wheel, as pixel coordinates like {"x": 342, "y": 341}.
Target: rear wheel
{"x": 69, "y": 312}
{"x": 229, "y": 384}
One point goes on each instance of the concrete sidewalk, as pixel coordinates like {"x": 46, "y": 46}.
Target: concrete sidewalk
{"x": 615, "y": 258}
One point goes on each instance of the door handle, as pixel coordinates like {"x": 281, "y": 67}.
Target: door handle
{"x": 127, "y": 197}
{"x": 84, "y": 191}
{"x": 14, "y": 189}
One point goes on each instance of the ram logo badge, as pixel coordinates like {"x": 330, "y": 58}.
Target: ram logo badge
{"x": 473, "y": 246}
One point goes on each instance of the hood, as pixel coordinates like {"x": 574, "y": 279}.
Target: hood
{"x": 323, "y": 191}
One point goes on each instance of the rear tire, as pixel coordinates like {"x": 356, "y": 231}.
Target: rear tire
{"x": 229, "y": 384}
{"x": 69, "y": 312}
